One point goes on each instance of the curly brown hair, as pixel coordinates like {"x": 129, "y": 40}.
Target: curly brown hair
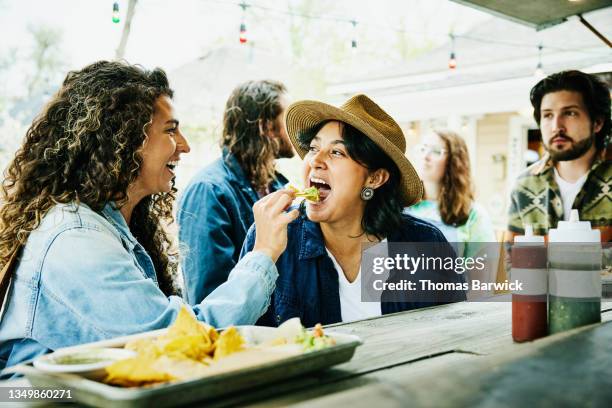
{"x": 84, "y": 147}
{"x": 456, "y": 189}
{"x": 251, "y": 105}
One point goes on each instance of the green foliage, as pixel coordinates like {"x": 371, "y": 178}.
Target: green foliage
{"x": 46, "y": 58}
{"x": 40, "y": 69}
{"x": 7, "y": 61}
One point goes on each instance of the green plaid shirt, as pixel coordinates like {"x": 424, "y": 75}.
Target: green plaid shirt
{"x": 536, "y": 199}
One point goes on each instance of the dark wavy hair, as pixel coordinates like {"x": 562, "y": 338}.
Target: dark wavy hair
{"x": 383, "y": 213}
{"x": 456, "y": 189}
{"x": 595, "y": 94}
{"x": 250, "y": 105}
{"x": 84, "y": 147}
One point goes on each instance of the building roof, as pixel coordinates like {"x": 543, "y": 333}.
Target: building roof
{"x": 203, "y": 86}
{"x": 536, "y": 14}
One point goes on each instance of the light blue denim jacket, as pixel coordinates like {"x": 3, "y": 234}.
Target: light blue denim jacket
{"x": 83, "y": 277}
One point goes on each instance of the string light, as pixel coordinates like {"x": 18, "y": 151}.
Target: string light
{"x": 116, "y": 16}
{"x": 354, "y": 39}
{"x": 331, "y": 18}
{"x": 243, "y": 37}
{"x": 539, "y": 72}
{"x": 243, "y": 31}
{"x": 452, "y": 61}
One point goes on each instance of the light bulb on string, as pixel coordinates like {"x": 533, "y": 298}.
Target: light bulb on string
{"x": 243, "y": 37}
{"x": 452, "y": 61}
{"x": 116, "y": 16}
{"x": 539, "y": 72}
{"x": 243, "y": 31}
{"x": 354, "y": 39}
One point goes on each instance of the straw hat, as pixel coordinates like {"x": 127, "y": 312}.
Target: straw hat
{"x": 366, "y": 116}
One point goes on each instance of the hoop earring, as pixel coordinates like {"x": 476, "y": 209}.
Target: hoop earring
{"x": 367, "y": 193}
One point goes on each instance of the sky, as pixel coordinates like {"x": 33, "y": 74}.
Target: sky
{"x": 172, "y": 33}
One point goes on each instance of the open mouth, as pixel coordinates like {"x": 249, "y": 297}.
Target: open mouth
{"x": 172, "y": 165}
{"x": 321, "y": 185}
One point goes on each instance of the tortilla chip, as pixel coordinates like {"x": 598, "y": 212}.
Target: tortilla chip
{"x": 230, "y": 341}
{"x": 136, "y": 371}
{"x": 185, "y": 351}
{"x": 193, "y": 347}
{"x": 310, "y": 193}
{"x": 147, "y": 347}
{"x": 189, "y": 337}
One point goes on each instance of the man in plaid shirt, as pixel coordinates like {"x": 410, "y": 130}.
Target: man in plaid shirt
{"x": 572, "y": 110}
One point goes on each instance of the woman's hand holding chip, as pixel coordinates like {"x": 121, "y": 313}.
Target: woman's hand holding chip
{"x": 271, "y": 220}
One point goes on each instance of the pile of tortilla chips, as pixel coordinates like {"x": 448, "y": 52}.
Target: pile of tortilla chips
{"x": 185, "y": 351}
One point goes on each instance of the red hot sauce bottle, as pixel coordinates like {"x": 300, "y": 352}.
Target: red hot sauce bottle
{"x": 529, "y": 267}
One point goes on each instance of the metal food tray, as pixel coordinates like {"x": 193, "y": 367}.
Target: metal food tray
{"x": 201, "y": 389}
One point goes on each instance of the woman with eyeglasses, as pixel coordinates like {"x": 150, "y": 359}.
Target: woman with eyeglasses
{"x": 444, "y": 167}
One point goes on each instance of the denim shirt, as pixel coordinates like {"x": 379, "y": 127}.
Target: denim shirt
{"x": 214, "y": 214}
{"x": 83, "y": 277}
{"x": 308, "y": 288}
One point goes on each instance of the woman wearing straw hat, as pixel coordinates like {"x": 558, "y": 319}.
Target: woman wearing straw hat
{"x": 354, "y": 156}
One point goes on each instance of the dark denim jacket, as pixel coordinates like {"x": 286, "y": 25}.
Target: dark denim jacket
{"x": 214, "y": 213}
{"x": 307, "y": 286}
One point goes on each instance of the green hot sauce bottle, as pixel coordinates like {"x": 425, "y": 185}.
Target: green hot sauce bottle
{"x": 574, "y": 256}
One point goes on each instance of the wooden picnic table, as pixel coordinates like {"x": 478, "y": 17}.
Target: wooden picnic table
{"x": 453, "y": 355}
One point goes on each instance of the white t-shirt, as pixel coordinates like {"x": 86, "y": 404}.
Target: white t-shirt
{"x": 351, "y": 306}
{"x": 569, "y": 191}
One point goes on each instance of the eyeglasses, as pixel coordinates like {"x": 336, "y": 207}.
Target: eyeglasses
{"x": 436, "y": 151}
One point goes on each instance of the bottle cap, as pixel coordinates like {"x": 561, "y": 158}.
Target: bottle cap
{"x": 574, "y": 230}
{"x": 529, "y": 238}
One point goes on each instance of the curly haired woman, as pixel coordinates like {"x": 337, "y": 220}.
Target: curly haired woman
{"x": 83, "y": 205}
{"x": 449, "y": 198}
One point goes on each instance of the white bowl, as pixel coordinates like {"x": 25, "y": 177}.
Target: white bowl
{"x": 89, "y": 363}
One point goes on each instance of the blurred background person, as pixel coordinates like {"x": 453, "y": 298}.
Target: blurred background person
{"x": 444, "y": 167}
{"x": 215, "y": 210}
{"x": 572, "y": 110}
